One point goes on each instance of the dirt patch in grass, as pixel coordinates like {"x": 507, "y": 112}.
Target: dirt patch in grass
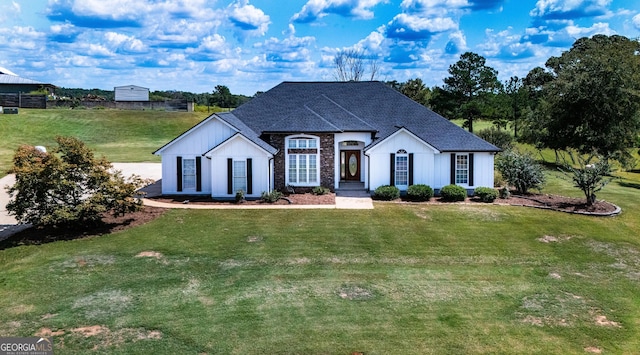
{"x": 355, "y": 293}
{"x": 593, "y": 349}
{"x": 47, "y": 332}
{"x": 103, "y": 336}
{"x": 149, "y": 254}
{"x": 109, "y": 224}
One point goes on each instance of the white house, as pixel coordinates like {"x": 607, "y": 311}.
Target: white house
{"x": 131, "y": 93}
{"x": 307, "y": 134}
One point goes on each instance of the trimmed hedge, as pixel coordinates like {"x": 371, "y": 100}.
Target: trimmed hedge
{"x": 419, "y": 192}
{"x": 486, "y": 194}
{"x": 386, "y": 193}
{"x": 453, "y": 193}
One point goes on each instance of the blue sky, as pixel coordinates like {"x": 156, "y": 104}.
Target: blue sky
{"x": 252, "y": 45}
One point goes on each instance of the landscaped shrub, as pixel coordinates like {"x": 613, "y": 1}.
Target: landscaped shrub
{"x": 320, "y": 190}
{"x": 505, "y": 193}
{"x": 486, "y": 194}
{"x": 419, "y": 192}
{"x": 271, "y": 197}
{"x": 453, "y": 193}
{"x": 498, "y": 137}
{"x": 520, "y": 171}
{"x": 240, "y": 196}
{"x": 386, "y": 193}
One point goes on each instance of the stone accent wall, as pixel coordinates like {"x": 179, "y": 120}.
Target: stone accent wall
{"x": 327, "y": 160}
{"x": 326, "y": 164}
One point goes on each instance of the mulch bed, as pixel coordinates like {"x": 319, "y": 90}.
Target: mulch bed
{"x": 291, "y": 199}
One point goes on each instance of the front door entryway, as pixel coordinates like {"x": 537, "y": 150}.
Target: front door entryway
{"x": 350, "y": 165}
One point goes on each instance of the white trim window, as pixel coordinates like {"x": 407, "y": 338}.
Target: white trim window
{"x": 402, "y": 169}
{"x": 302, "y": 157}
{"x": 462, "y": 169}
{"x": 188, "y": 174}
{"x": 240, "y": 175}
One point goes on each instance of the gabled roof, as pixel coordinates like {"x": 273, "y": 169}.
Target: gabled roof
{"x": 247, "y": 132}
{"x": 329, "y": 107}
{"x": 230, "y": 120}
{"x": 238, "y": 135}
{"x": 8, "y": 77}
{"x": 185, "y": 133}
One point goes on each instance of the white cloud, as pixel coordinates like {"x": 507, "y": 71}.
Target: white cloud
{"x": 553, "y": 9}
{"x": 636, "y": 21}
{"x": 314, "y": 10}
{"x": 127, "y": 43}
{"x": 116, "y": 9}
{"x": 433, "y": 7}
{"x": 248, "y": 20}
{"x": 412, "y": 27}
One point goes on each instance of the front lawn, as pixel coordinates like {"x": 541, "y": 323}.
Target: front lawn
{"x": 398, "y": 279}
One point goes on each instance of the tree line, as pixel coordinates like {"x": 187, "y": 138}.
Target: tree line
{"x": 587, "y": 99}
{"x": 221, "y": 96}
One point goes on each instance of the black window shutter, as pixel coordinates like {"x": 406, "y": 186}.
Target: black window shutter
{"x": 198, "y": 173}
{"x": 179, "y": 171}
{"x": 249, "y": 177}
{"x": 410, "y": 169}
{"x": 453, "y": 168}
{"x": 230, "y": 176}
{"x": 392, "y": 170}
{"x": 470, "y": 169}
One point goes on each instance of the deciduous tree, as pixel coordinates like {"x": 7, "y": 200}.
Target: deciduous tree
{"x": 593, "y": 101}
{"x": 68, "y": 186}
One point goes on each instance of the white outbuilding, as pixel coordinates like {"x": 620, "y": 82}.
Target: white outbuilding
{"x": 131, "y": 93}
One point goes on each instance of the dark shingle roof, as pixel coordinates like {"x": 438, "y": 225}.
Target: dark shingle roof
{"x": 246, "y": 131}
{"x": 351, "y": 106}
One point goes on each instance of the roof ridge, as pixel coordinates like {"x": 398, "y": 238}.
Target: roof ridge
{"x": 322, "y": 118}
{"x": 347, "y": 111}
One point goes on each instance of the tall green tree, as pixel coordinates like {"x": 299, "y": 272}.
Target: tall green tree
{"x": 592, "y": 104}
{"x": 223, "y": 97}
{"x": 415, "y": 89}
{"x": 471, "y": 84}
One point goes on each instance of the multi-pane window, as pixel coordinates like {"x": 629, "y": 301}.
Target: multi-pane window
{"x": 188, "y": 174}
{"x": 402, "y": 169}
{"x": 462, "y": 169}
{"x": 302, "y": 161}
{"x": 303, "y": 169}
{"x": 303, "y": 143}
{"x": 239, "y": 175}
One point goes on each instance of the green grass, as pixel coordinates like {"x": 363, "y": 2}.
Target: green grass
{"x": 398, "y": 279}
{"x": 121, "y": 136}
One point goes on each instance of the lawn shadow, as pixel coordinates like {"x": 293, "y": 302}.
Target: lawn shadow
{"x": 633, "y": 185}
{"x": 109, "y": 224}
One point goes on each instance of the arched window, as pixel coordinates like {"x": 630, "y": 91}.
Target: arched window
{"x": 402, "y": 169}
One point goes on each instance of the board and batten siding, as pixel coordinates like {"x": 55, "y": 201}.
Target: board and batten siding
{"x": 131, "y": 93}
{"x": 423, "y": 160}
{"x": 482, "y": 170}
{"x": 238, "y": 149}
{"x": 193, "y": 144}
